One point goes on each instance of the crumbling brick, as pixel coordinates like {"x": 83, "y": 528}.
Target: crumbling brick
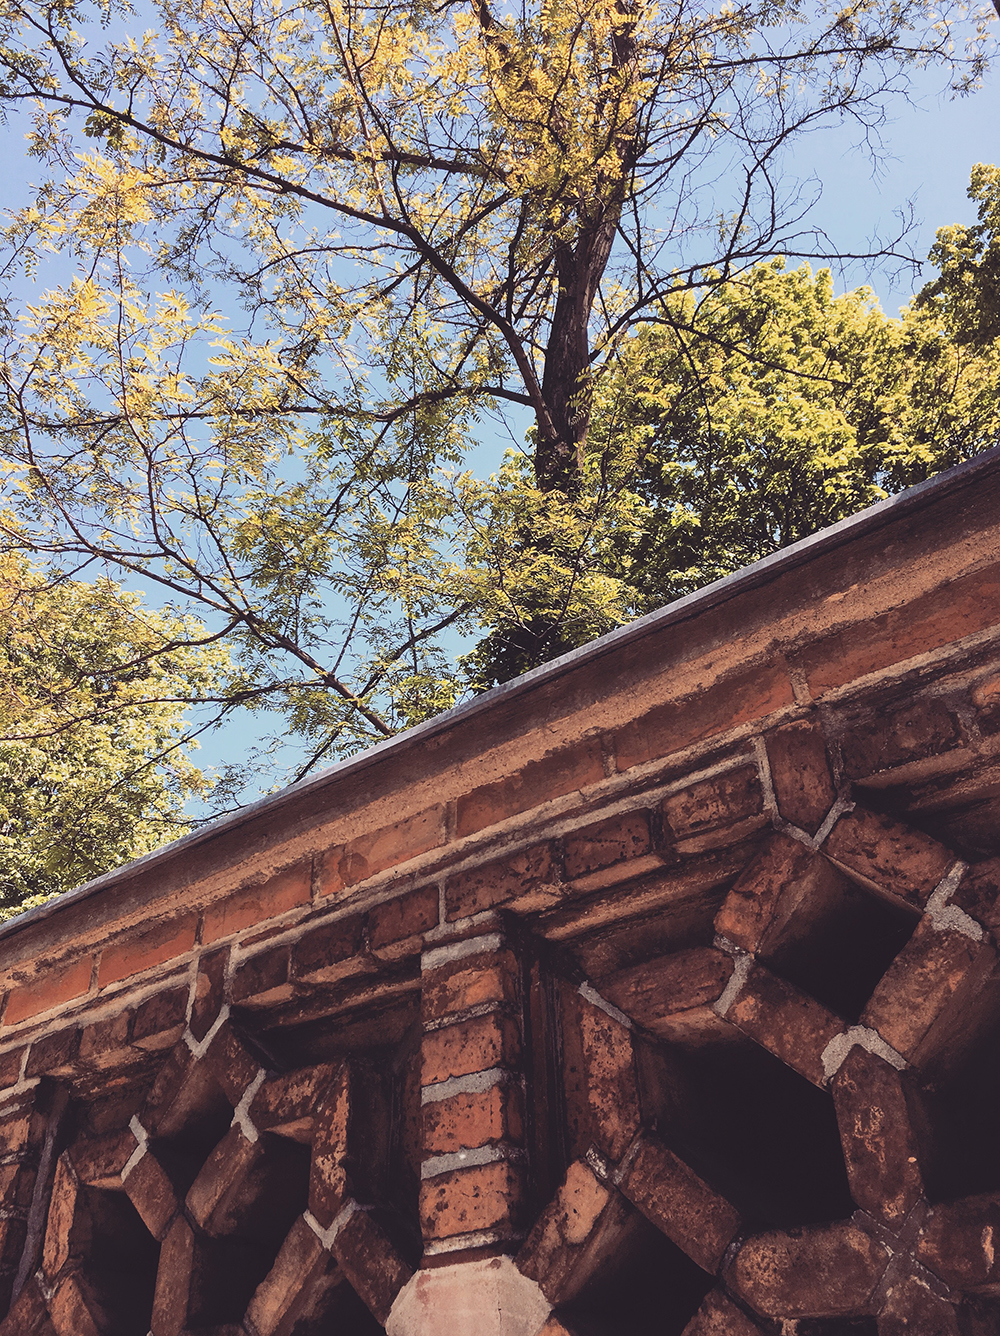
{"x": 800, "y": 773}
{"x": 888, "y": 855}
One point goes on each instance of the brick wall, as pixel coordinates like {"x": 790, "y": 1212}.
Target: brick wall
{"x": 667, "y": 972}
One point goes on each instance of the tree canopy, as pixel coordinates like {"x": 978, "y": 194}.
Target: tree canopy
{"x": 94, "y": 768}
{"x": 301, "y": 248}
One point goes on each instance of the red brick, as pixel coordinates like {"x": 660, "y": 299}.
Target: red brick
{"x": 99, "y": 1161}
{"x": 890, "y": 738}
{"x": 10, "y": 1067}
{"x": 960, "y": 608}
{"x": 53, "y": 1053}
{"x": 402, "y": 922}
{"x": 880, "y": 1149}
{"x": 159, "y": 1021}
{"x": 235, "y": 1158}
{"x": 654, "y": 993}
{"x": 465, "y": 1121}
{"x": 719, "y": 1316}
{"x": 372, "y": 1264}
{"x": 470, "y": 982}
{"x": 501, "y": 881}
{"x": 728, "y": 703}
{"x": 53, "y": 988}
{"x": 138, "y": 952}
{"x": 607, "y": 842}
{"x": 911, "y": 1309}
{"x": 553, "y": 776}
{"x": 231, "y": 1062}
{"x": 303, "y": 1273}
{"x": 209, "y": 991}
{"x": 800, "y": 774}
{"x": 107, "y": 1043}
{"x": 473, "y": 1046}
{"x": 794, "y": 1027}
{"x": 581, "y": 1227}
{"x": 599, "y": 1076}
{"x": 289, "y": 1104}
{"x": 325, "y": 954}
{"x": 888, "y": 855}
{"x": 250, "y": 905}
{"x": 957, "y": 1243}
{"x": 936, "y": 974}
{"x": 152, "y": 1193}
{"x": 367, "y": 855}
{"x": 750, "y": 907}
{"x": 488, "y": 1196}
{"x": 29, "y": 1316}
{"x": 264, "y": 978}
{"x": 722, "y": 801}
{"x": 827, "y": 1269}
{"x": 682, "y": 1205}
{"x": 72, "y": 1309}
{"x": 978, "y": 893}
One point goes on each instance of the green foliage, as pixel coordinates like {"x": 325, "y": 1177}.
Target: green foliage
{"x": 967, "y": 291}
{"x": 94, "y": 767}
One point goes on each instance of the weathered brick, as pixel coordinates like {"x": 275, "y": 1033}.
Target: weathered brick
{"x": 10, "y": 1067}
{"x": 231, "y": 1062}
{"x": 331, "y": 952}
{"x": 880, "y": 1149}
{"x": 912, "y": 1308}
{"x": 473, "y": 1046}
{"x": 302, "y": 1274}
{"x": 367, "y": 855}
{"x": 887, "y": 854}
{"x": 153, "y": 1194}
{"x": 748, "y": 911}
{"x": 659, "y": 993}
{"x": 470, "y": 982}
{"x": 233, "y": 1159}
{"x": 53, "y": 1053}
{"x": 466, "y": 1201}
{"x": 605, "y": 843}
{"x": 396, "y": 927}
{"x": 978, "y": 893}
{"x": 553, "y": 776}
{"x": 263, "y": 979}
{"x": 72, "y": 1309}
{"x": 670, "y": 1194}
{"x": 697, "y": 814}
{"x": 53, "y": 988}
{"x": 371, "y": 1262}
{"x": 329, "y": 1184}
{"x": 730, "y": 702}
{"x": 250, "y": 905}
{"x": 956, "y": 1242}
{"x": 159, "y": 1021}
{"x": 531, "y": 875}
{"x": 921, "y": 624}
{"x": 599, "y": 1078}
{"x": 935, "y": 973}
{"x": 884, "y": 739}
{"x": 289, "y": 1104}
{"x": 29, "y": 1315}
{"x": 209, "y": 990}
{"x": 578, "y": 1231}
{"x": 107, "y": 1043}
{"x": 99, "y": 1161}
{"x": 465, "y": 1121}
{"x": 136, "y": 952}
{"x": 794, "y": 1027}
{"x": 719, "y": 1316}
{"x": 800, "y": 773}
{"x": 828, "y": 1269}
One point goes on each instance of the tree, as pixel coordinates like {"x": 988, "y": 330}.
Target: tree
{"x": 741, "y": 422}
{"x": 966, "y": 293}
{"x": 93, "y": 766}
{"x": 429, "y": 212}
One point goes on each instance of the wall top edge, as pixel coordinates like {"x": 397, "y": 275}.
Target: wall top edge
{"x": 936, "y": 492}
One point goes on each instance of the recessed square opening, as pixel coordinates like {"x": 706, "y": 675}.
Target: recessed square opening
{"x": 648, "y": 1287}
{"x": 121, "y": 1261}
{"x": 760, "y": 1133}
{"x": 835, "y": 940}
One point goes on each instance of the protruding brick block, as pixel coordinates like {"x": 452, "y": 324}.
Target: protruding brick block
{"x": 719, "y": 1316}
{"x": 577, "y": 1232}
{"x": 978, "y": 893}
{"x": 331, "y": 952}
{"x": 209, "y": 990}
{"x": 73, "y": 1310}
{"x": 329, "y": 1185}
{"x": 932, "y": 978}
{"x": 670, "y": 1194}
{"x": 65, "y": 1236}
{"x": 794, "y": 1027}
{"x": 231, "y": 1062}
{"x": 54, "y": 1054}
{"x": 264, "y": 979}
{"x": 159, "y": 1021}
{"x": 784, "y": 868}
{"x": 672, "y": 996}
{"x": 880, "y": 1148}
{"x": 99, "y": 1161}
{"x": 605, "y": 852}
{"x": 396, "y": 928}
{"x": 29, "y": 1315}
{"x": 469, "y": 1201}
{"x": 887, "y": 855}
{"x": 232, "y": 1161}
{"x": 800, "y": 773}
{"x": 371, "y": 1262}
{"x": 152, "y": 1192}
{"x": 815, "y": 1271}
{"x": 530, "y": 878}
{"x": 599, "y": 1078}
{"x": 888, "y": 738}
{"x": 471, "y": 982}
{"x": 957, "y": 1243}
{"x": 288, "y": 1105}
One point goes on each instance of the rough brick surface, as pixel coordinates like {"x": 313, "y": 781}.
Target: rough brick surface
{"x": 554, "y": 776}
{"x": 800, "y": 774}
{"x": 467, "y": 1201}
{"x": 599, "y": 1076}
{"x": 747, "y": 913}
{"x": 256, "y": 904}
{"x": 826, "y": 1269}
{"x": 892, "y": 857}
{"x": 472, "y": 1046}
{"x": 696, "y": 814}
{"x": 52, "y": 989}
{"x": 661, "y": 995}
{"x": 920, "y": 729}
{"x": 793, "y": 1026}
{"x": 719, "y": 1316}
{"x": 530, "y": 876}
{"x": 605, "y": 843}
